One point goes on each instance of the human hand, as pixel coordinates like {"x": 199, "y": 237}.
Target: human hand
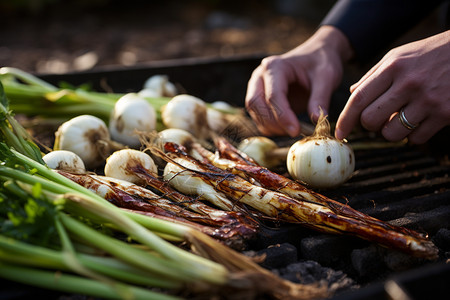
{"x": 316, "y": 67}
{"x": 413, "y": 79}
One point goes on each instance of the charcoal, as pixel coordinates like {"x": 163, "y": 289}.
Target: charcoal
{"x": 278, "y": 255}
{"x": 268, "y": 236}
{"x": 397, "y": 261}
{"x": 308, "y": 272}
{"x": 367, "y": 261}
{"x": 442, "y": 239}
{"x": 328, "y": 250}
{"x": 430, "y": 221}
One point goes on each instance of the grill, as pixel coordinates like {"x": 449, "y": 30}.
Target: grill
{"x": 406, "y": 186}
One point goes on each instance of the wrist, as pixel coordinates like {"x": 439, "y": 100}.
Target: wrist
{"x": 335, "y": 40}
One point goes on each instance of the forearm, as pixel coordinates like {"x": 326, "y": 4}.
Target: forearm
{"x": 370, "y": 26}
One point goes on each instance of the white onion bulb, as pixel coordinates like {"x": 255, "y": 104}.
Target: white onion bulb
{"x": 118, "y": 165}
{"x": 188, "y": 113}
{"x": 260, "y": 149}
{"x": 222, "y": 105}
{"x": 320, "y": 160}
{"x": 216, "y": 120}
{"x": 148, "y": 93}
{"x": 87, "y": 136}
{"x": 161, "y": 85}
{"x": 64, "y": 160}
{"x": 176, "y": 136}
{"x": 131, "y": 113}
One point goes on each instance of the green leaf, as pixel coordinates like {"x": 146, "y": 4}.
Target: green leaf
{"x": 27, "y": 217}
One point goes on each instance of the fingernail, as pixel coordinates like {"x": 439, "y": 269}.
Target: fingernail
{"x": 338, "y": 134}
{"x": 292, "y": 130}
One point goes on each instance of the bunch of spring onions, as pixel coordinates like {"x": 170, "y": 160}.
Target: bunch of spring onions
{"x": 58, "y": 235}
{"x": 33, "y": 96}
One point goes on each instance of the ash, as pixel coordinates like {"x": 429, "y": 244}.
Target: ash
{"x": 309, "y": 272}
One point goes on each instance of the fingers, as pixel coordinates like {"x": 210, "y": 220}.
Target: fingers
{"x": 424, "y": 124}
{"x": 276, "y": 82}
{"x": 426, "y": 129}
{"x": 255, "y": 103}
{"x": 367, "y": 75}
{"x": 398, "y": 126}
{"x": 364, "y": 95}
{"x": 396, "y": 113}
{"x": 269, "y": 106}
{"x": 379, "y": 112}
{"x": 266, "y": 99}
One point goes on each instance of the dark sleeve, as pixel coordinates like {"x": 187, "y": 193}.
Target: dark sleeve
{"x": 370, "y": 25}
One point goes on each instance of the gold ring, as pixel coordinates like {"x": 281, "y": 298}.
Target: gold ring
{"x": 404, "y": 121}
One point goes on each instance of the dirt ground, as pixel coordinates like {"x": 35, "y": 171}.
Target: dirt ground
{"x": 54, "y": 36}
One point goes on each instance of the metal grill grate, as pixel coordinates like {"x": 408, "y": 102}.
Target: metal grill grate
{"x": 404, "y": 186}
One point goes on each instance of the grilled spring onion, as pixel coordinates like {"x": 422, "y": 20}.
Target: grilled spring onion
{"x": 232, "y": 229}
{"x": 169, "y": 262}
{"x": 406, "y": 240}
{"x": 139, "y": 168}
{"x": 307, "y": 208}
{"x": 36, "y": 195}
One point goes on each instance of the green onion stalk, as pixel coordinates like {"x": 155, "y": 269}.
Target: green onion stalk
{"x": 66, "y": 282}
{"x": 14, "y": 134}
{"x": 32, "y": 96}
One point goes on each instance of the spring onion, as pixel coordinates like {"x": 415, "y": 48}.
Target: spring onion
{"x": 118, "y": 164}
{"x": 64, "y": 160}
{"x": 263, "y": 150}
{"x": 320, "y": 160}
{"x": 131, "y": 114}
{"x": 33, "y": 96}
{"x": 160, "y": 85}
{"x": 88, "y": 137}
{"x": 188, "y": 113}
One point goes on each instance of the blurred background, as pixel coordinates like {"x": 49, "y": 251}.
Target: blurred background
{"x": 57, "y": 36}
